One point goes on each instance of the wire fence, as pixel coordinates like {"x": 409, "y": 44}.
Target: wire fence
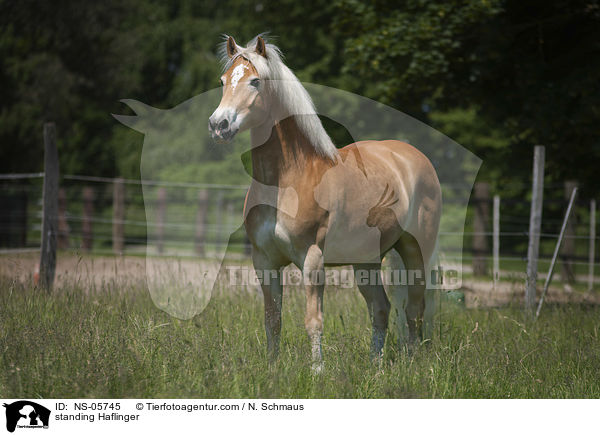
{"x": 169, "y": 217}
{"x": 125, "y": 216}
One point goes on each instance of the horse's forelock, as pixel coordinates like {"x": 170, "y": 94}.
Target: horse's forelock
{"x": 286, "y": 86}
{"x": 265, "y": 66}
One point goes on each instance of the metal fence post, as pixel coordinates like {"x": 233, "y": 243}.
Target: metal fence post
{"x": 535, "y": 225}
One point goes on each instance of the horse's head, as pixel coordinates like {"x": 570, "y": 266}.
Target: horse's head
{"x": 244, "y": 104}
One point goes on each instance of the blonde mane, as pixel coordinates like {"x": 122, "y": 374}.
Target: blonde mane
{"x": 285, "y": 86}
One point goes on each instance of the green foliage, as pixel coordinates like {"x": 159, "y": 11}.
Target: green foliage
{"x": 406, "y": 53}
{"x": 531, "y": 68}
{"x": 66, "y": 64}
{"x": 468, "y": 128}
{"x": 523, "y": 73}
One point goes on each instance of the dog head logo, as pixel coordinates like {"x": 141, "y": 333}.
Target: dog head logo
{"x": 26, "y": 414}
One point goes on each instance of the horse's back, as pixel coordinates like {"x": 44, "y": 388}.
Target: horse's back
{"x": 392, "y": 155}
{"x": 392, "y": 171}
{"x": 395, "y": 163}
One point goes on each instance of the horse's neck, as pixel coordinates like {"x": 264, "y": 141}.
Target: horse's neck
{"x": 285, "y": 155}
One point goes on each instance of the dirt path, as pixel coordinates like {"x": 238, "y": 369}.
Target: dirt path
{"x": 97, "y": 272}
{"x": 481, "y": 293}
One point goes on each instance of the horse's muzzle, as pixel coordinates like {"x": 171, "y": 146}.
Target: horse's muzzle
{"x": 221, "y": 127}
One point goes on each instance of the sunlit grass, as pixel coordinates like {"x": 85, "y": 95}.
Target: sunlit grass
{"x": 113, "y": 342}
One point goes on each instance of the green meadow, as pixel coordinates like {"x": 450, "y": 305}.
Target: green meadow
{"x": 112, "y": 342}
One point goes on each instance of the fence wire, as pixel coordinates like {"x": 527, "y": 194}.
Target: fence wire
{"x": 181, "y": 222}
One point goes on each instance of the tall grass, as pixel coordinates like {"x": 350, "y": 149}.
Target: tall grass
{"x": 113, "y": 342}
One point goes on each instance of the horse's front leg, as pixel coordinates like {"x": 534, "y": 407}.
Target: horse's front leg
{"x": 314, "y": 281}
{"x": 270, "y": 278}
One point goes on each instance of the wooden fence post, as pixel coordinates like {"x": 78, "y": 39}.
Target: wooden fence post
{"x": 567, "y": 250}
{"x": 228, "y": 222}
{"x": 592, "y": 245}
{"x": 50, "y": 208}
{"x": 63, "y": 225}
{"x": 118, "y": 215}
{"x": 496, "y": 240}
{"x": 247, "y": 245}
{"x": 200, "y": 236}
{"x": 161, "y": 211}
{"x": 535, "y": 225}
{"x": 218, "y": 216}
{"x": 480, "y": 242}
{"x": 87, "y": 236}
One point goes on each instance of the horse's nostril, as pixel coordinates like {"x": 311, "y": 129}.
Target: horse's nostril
{"x": 223, "y": 124}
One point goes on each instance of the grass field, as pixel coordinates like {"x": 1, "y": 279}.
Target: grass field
{"x": 113, "y": 342}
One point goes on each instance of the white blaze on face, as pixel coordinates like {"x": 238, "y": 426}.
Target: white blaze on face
{"x": 237, "y": 74}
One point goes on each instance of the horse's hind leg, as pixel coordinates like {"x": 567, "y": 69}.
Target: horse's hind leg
{"x": 368, "y": 280}
{"x": 408, "y": 248}
{"x": 397, "y": 293}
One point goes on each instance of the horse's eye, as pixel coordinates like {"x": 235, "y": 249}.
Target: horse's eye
{"x": 255, "y": 83}
{"x": 221, "y": 82}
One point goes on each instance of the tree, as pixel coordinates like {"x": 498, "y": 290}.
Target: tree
{"x": 531, "y": 69}
{"x": 64, "y": 64}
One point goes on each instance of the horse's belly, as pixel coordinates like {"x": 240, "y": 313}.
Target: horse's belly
{"x": 346, "y": 245}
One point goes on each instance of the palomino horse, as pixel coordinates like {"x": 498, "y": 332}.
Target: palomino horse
{"x": 338, "y": 198}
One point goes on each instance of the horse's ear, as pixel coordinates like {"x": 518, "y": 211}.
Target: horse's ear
{"x": 231, "y": 47}
{"x": 260, "y": 47}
